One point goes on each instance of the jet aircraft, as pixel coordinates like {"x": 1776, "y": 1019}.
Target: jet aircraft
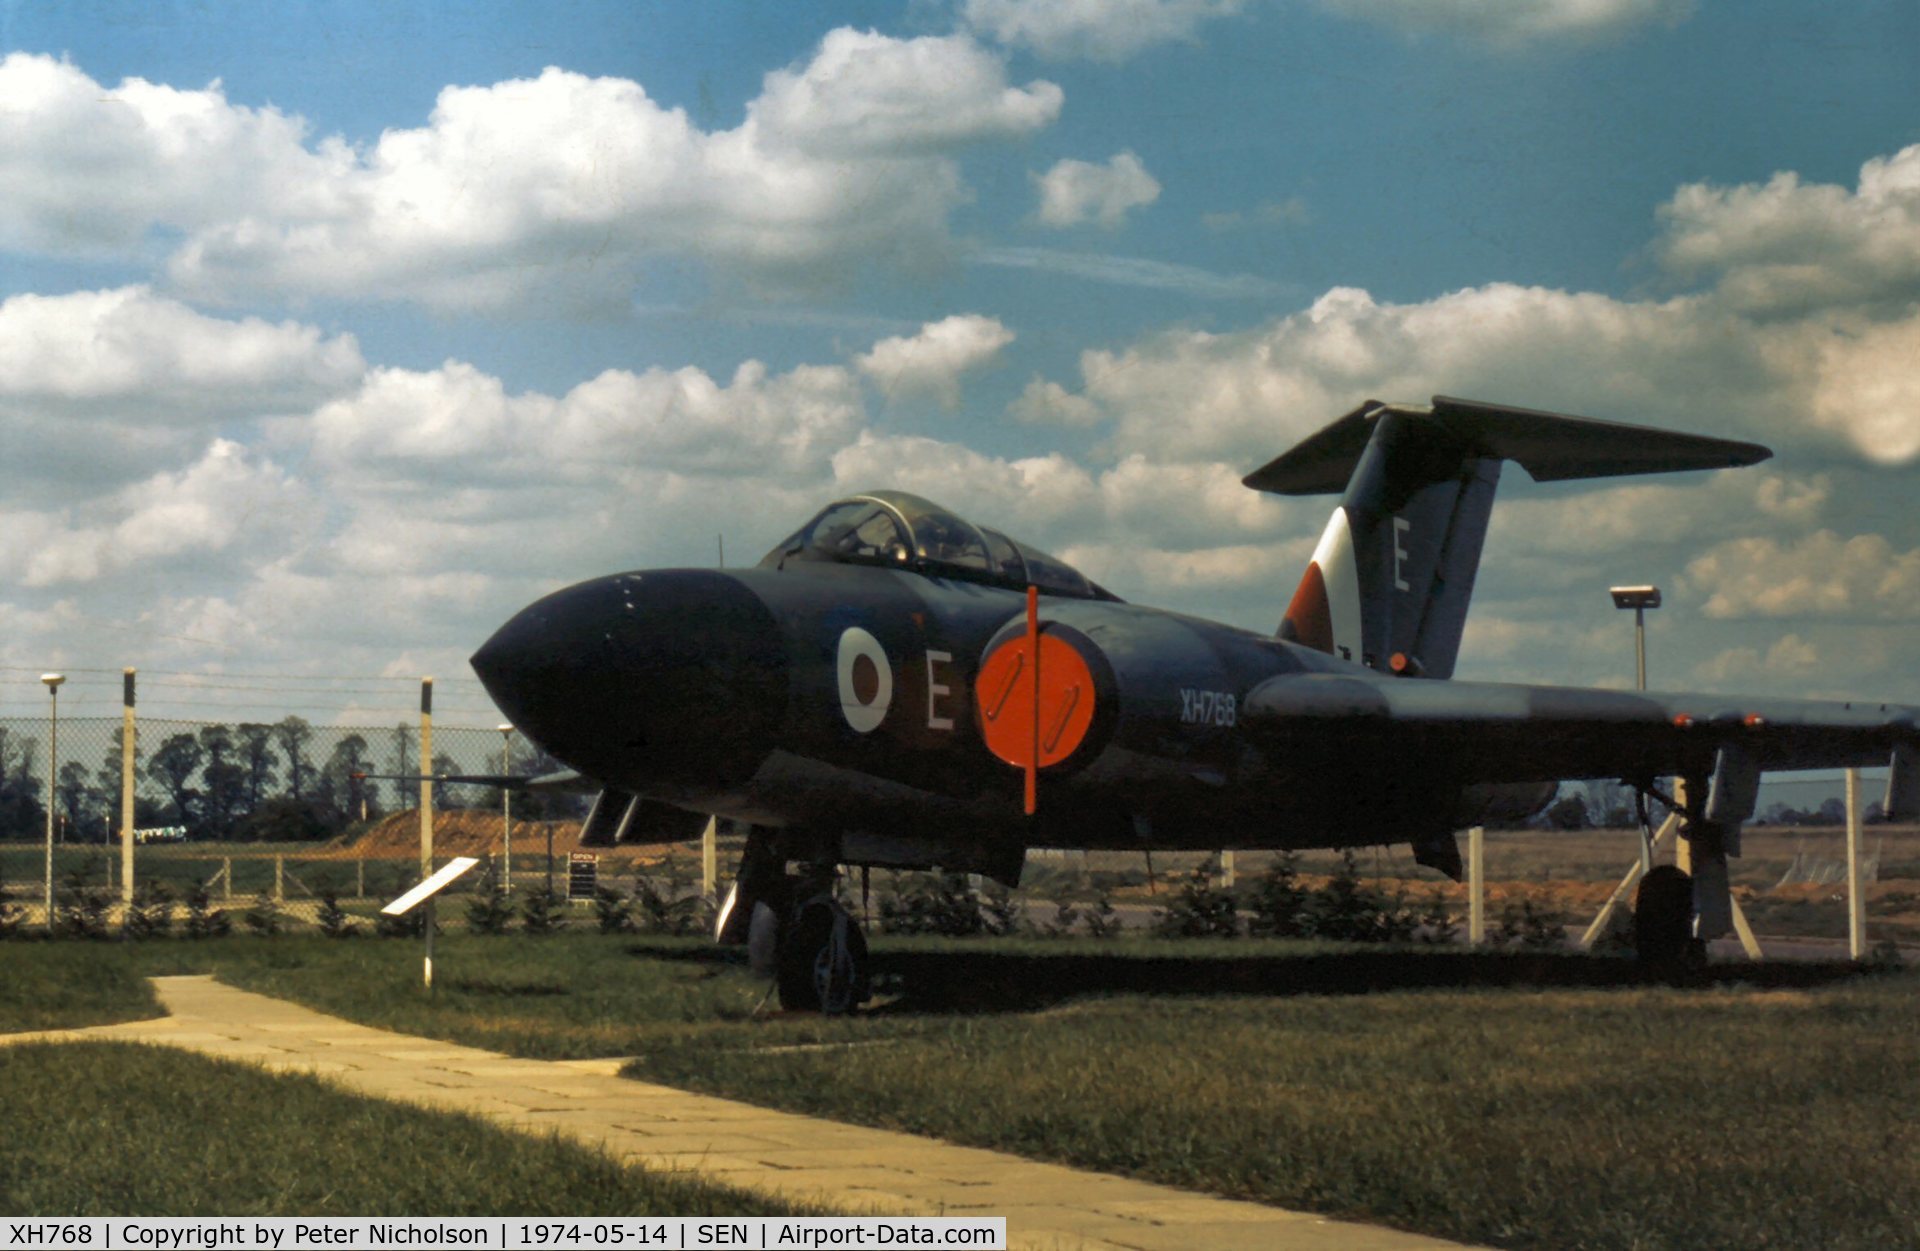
{"x": 893, "y": 685}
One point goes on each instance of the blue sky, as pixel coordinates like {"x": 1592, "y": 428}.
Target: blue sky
{"x": 331, "y": 334}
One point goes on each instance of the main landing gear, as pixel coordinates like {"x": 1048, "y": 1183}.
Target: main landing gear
{"x": 795, "y": 931}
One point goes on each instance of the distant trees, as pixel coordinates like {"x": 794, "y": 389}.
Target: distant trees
{"x": 242, "y": 782}
{"x": 292, "y": 734}
{"x": 22, "y": 812}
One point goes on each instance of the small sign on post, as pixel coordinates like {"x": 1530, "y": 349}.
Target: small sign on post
{"x": 424, "y": 893}
{"x": 583, "y": 875}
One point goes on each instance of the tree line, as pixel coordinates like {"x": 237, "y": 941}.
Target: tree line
{"x": 287, "y": 781}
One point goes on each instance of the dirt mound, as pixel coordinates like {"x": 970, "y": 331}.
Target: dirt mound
{"x": 472, "y": 832}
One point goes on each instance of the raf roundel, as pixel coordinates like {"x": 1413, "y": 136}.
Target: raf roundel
{"x": 866, "y": 680}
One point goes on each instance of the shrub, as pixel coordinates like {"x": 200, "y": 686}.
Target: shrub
{"x": 151, "y": 914}
{"x": 1000, "y": 911}
{"x": 1348, "y": 910}
{"x": 1066, "y": 914}
{"x": 263, "y": 916}
{"x": 1524, "y": 923}
{"x": 1437, "y": 923}
{"x": 203, "y": 919}
{"x": 11, "y": 914}
{"x": 1279, "y": 902}
{"x": 80, "y": 908}
{"x": 1102, "y": 920}
{"x": 332, "y": 917}
{"x": 932, "y": 904}
{"x": 542, "y": 911}
{"x": 1199, "y": 910}
{"x": 490, "y": 910}
{"x": 613, "y": 911}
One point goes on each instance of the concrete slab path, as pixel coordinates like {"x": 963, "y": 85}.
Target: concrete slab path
{"x": 841, "y": 1168}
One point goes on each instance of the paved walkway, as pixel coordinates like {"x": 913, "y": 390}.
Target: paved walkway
{"x": 842, "y": 1168}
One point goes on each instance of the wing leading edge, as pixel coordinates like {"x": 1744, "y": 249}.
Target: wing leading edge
{"x": 1486, "y": 732}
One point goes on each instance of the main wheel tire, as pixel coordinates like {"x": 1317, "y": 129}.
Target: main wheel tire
{"x": 1663, "y": 919}
{"x": 823, "y": 960}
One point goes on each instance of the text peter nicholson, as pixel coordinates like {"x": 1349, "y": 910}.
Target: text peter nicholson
{"x": 288, "y": 1233}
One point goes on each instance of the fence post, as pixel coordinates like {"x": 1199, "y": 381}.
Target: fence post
{"x": 426, "y": 812}
{"x": 226, "y": 879}
{"x": 710, "y": 859}
{"x": 1477, "y": 885}
{"x": 126, "y": 787}
{"x": 426, "y": 779}
{"x": 360, "y": 877}
{"x": 1856, "y": 889}
{"x": 279, "y": 875}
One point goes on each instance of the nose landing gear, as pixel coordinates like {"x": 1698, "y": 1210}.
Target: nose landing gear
{"x": 795, "y": 930}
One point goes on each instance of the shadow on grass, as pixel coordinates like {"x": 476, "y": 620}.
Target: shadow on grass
{"x": 983, "y": 980}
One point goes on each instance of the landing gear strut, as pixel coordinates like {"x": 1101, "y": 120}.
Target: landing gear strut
{"x": 795, "y": 930}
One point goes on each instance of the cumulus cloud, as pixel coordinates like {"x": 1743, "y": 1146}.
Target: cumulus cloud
{"x": 1689, "y": 362}
{"x": 412, "y": 425}
{"x": 93, "y": 170}
{"x": 99, "y": 387}
{"x": 1866, "y": 386}
{"x": 91, "y": 350}
{"x": 1246, "y": 395}
{"x": 1516, "y": 23}
{"x": 1789, "y": 656}
{"x": 1785, "y": 246}
{"x": 1820, "y": 575}
{"x": 931, "y": 362}
{"x": 1073, "y": 192}
{"x": 867, "y": 95}
{"x": 1048, "y": 403}
{"x": 228, "y": 496}
{"x": 1100, "y": 30}
{"x": 844, "y": 160}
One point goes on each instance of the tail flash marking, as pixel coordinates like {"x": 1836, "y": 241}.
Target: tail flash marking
{"x": 1325, "y": 610}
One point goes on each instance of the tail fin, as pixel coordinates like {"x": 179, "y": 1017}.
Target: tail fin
{"x": 1389, "y": 584}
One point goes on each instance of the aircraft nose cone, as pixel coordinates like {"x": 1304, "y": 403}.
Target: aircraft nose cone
{"x": 663, "y": 682}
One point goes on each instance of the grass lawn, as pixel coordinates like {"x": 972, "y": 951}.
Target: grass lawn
{"x": 112, "y": 1129}
{"x": 1519, "y": 1100}
{"x": 45, "y": 985}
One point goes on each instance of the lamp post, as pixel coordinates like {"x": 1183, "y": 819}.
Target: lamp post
{"x": 1638, "y": 598}
{"x": 53, "y": 681}
{"x": 506, "y": 805}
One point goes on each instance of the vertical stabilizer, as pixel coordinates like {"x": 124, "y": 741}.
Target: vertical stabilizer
{"x": 1391, "y": 579}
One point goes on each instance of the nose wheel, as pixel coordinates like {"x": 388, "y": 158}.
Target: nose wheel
{"x": 823, "y": 959}
{"x": 795, "y": 931}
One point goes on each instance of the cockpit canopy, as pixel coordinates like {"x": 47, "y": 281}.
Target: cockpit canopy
{"x": 899, "y": 530}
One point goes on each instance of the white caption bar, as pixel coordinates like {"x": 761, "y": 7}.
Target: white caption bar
{"x": 583, "y": 1233}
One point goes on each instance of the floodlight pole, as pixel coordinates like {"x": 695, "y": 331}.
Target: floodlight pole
{"x": 1639, "y": 598}
{"x": 506, "y": 807}
{"x": 1640, "y": 647}
{"x": 53, "y": 681}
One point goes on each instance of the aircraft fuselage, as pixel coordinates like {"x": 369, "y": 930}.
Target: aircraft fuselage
{"x": 849, "y": 701}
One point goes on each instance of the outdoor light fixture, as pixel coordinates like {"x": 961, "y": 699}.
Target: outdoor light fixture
{"x": 506, "y": 806}
{"x": 1638, "y": 598}
{"x": 53, "y": 681}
